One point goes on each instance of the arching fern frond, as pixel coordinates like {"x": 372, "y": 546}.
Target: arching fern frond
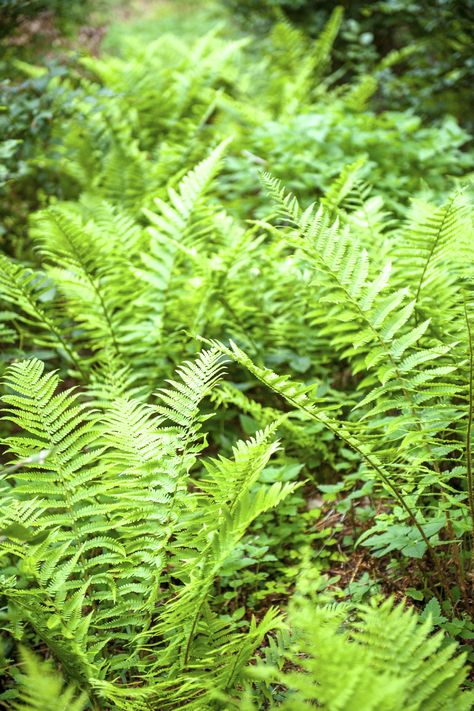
{"x": 218, "y": 519}
{"x": 181, "y": 222}
{"x": 173, "y": 218}
{"x": 179, "y": 403}
{"x": 81, "y": 271}
{"x": 434, "y": 250}
{"x": 373, "y": 325}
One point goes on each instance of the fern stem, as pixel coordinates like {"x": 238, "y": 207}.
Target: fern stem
{"x": 470, "y": 486}
{"x": 405, "y": 391}
{"x": 195, "y": 620}
{"x": 356, "y": 446}
{"x": 399, "y": 497}
{"x": 106, "y": 316}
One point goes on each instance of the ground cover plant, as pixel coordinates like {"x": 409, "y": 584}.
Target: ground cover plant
{"x": 237, "y": 374}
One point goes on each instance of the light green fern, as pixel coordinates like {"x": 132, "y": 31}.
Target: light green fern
{"x": 41, "y": 688}
{"x": 381, "y": 656}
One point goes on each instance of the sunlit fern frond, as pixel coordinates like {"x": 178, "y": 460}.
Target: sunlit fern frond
{"x": 382, "y": 657}
{"x": 433, "y": 254}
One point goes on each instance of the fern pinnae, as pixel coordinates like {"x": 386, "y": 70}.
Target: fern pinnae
{"x": 343, "y": 266}
{"x": 440, "y": 228}
{"x": 41, "y": 688}
{"x": 22, "y": 287}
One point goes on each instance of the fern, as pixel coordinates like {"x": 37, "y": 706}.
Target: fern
{"x": 372, "y": 325}
{"x": 83, "y": 274}
{"x": 27, "y": 290}
{"x": 381, "y": 657}
{"x": 41, "y": 688}
{"x": 112, "y": 528}
{"x": 304, "y": 63}
{"x": 434, "y": 252}
{"x": 139, "y": 546}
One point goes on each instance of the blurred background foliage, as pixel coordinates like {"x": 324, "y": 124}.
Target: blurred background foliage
{"x": 407, "y": 112}
{"x": 43, "y": 33}
{"x": 435, "y": 79}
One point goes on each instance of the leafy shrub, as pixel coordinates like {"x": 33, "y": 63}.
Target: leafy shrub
{"x": 14, "y": 12}
{"x": 441, "y": 70}
{"x": 26, "y": 121}
{"x": 29, "y": 29}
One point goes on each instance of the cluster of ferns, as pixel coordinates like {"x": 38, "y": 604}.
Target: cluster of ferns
{"x": 147, "y": 302}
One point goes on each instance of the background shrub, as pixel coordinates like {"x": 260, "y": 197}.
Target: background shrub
{"x": 438, "y": 76}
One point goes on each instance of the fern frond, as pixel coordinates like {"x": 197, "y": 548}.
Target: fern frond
{"x": 384, "y": 658}
{"x": 343, "y": 185}
{"x": 180, "y": 222}
{"x": 81, "y": 273}
{"x": 373, "y": 325}
{"x": 179, "y": 403}
{"x": 42, "y": 689}
{"x": 27, "y": 290}
{"x": 305, "y": 62}
{"x": 433, "y": 251}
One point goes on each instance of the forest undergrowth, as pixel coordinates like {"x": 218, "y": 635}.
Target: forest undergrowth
{"x": 237, "y": 361}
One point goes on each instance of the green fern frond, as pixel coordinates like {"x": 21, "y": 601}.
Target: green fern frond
{"x": 304, "y": 61}
{"x": 173, "y": 217}
{"x": 373, "y": 325}
{"x": 344, "y": 184}
{"x": 180, "y": 402}
{"x": 325, "y": 41}
{"x": 384, "y": 657}
{"x": 41, "y": 688}
{"x": 181, "y": 222}
{"x": 81, "y": 271}
{"x": 434, "y": 250}
{"x": 27, "y": 290}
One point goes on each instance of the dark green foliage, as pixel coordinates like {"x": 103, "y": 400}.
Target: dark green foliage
{"x": 26, "y": 120}
{"x": 439, "y": 71}
{"x": 15, "y": 12}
